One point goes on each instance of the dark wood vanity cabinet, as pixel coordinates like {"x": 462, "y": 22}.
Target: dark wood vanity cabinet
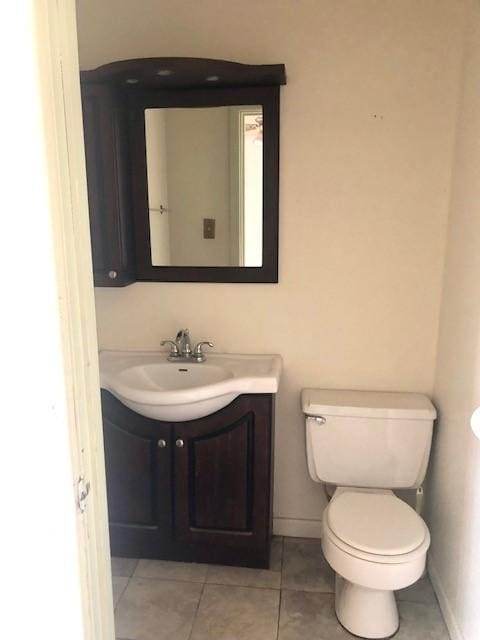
{"x": 197, "y": 491}
{"x": 138, "y": 465}
{"x": 106, "y": 154}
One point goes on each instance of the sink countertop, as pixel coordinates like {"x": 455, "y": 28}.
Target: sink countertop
{"x": 149, "y": 384}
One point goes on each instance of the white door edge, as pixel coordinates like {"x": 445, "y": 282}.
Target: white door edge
{"x": 58, "y": 61}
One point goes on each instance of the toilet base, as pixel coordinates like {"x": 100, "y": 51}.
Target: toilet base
{"x": 367, "y": 613}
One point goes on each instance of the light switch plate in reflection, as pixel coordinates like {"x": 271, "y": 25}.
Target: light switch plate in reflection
{"x": 209, "y": 228}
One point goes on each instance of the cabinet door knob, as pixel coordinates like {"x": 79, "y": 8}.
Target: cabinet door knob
{"x": 179, "y": 443}
{"x": 112, "y": 274}
{"x": 162, "y": 443}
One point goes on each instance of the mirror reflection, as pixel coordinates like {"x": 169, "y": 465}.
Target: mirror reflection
{"x": 205, "y": 185}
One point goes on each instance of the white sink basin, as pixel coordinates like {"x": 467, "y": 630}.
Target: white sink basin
{"x": 175, "y": 391}
{"x": 162, "y": 376}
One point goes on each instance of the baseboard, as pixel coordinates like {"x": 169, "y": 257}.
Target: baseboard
{"x": 448, "y": 615}
{"x": 297, "y": 528}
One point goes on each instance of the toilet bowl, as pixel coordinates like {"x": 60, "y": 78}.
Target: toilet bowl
{"x": 376, "y": 544}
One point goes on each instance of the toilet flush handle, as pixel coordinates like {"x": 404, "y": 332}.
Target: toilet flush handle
{"x": 318, "y": 419}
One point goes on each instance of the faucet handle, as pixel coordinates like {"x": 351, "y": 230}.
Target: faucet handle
{"x": 198, "y": 353}
{"x": 174, "y": 352}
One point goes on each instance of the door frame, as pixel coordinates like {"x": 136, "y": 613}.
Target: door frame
{"x": 57, "y": 58}
{"x": 237, "y": 181}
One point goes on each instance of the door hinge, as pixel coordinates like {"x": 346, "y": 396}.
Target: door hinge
{"x": 83, "y": 489}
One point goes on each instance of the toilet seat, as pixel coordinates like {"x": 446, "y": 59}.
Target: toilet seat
{"x": 374, "y": 558}
{"x": 378, "y": 524}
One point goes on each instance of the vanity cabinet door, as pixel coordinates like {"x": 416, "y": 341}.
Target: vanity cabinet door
{"x": 138, "y": 457}
{"x": 223, "y": 468}
{"x": 106, "y": 155}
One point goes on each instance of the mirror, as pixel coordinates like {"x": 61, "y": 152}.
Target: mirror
{"x": 205, "y": 185}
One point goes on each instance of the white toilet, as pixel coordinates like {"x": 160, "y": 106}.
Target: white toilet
{"x": 366, "y": 444}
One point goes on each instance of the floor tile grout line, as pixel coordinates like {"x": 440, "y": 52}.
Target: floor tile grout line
{"x": 118, "y": 575}
{"x": 332, "y": 593}
{"x": 318, "y": 593}
{"x": 282, "y": 562}
{"x": 123, "y": 590}
{"x": 136, "y": 568}
{"x": 278, "y": 615}
{"x": 169, "y": 579}
{"x": 196, "y": 611}
{"x": 243, "y": 586}
{"x": 426, "y": 605}
{"x": 204, "y": 582}
{"x": 209, "y": 566}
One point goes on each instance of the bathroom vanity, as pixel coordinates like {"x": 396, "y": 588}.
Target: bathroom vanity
{"x": 197, "y": 489}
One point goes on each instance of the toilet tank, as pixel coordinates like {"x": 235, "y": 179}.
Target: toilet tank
{"x": 368, "y": 438}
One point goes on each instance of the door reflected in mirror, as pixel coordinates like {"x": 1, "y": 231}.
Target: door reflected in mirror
{"x": 205, "y": 185}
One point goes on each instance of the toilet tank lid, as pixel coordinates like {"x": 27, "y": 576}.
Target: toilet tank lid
{"x": 367, "y": 404}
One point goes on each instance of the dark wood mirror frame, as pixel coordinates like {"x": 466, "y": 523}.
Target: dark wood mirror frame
{"x": 268, "y": 98}
{"x": 136, "y": 85}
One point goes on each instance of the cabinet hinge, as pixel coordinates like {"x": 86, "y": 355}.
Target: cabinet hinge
{"x": 83, "y": 489}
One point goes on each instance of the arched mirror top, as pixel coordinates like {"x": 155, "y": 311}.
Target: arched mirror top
{"x": 186, "y": 73}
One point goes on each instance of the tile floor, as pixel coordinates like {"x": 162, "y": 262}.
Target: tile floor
{"x": 293, "y": 600}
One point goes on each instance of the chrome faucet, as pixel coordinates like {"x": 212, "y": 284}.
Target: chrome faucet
{"x": 181, "y": 348}
{"x": 183, "y": 343}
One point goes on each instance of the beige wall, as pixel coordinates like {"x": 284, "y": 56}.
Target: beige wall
{"x": 367, "y": 122}
{"x": 198, "y": 184}
{"x": 455, "y": 480}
